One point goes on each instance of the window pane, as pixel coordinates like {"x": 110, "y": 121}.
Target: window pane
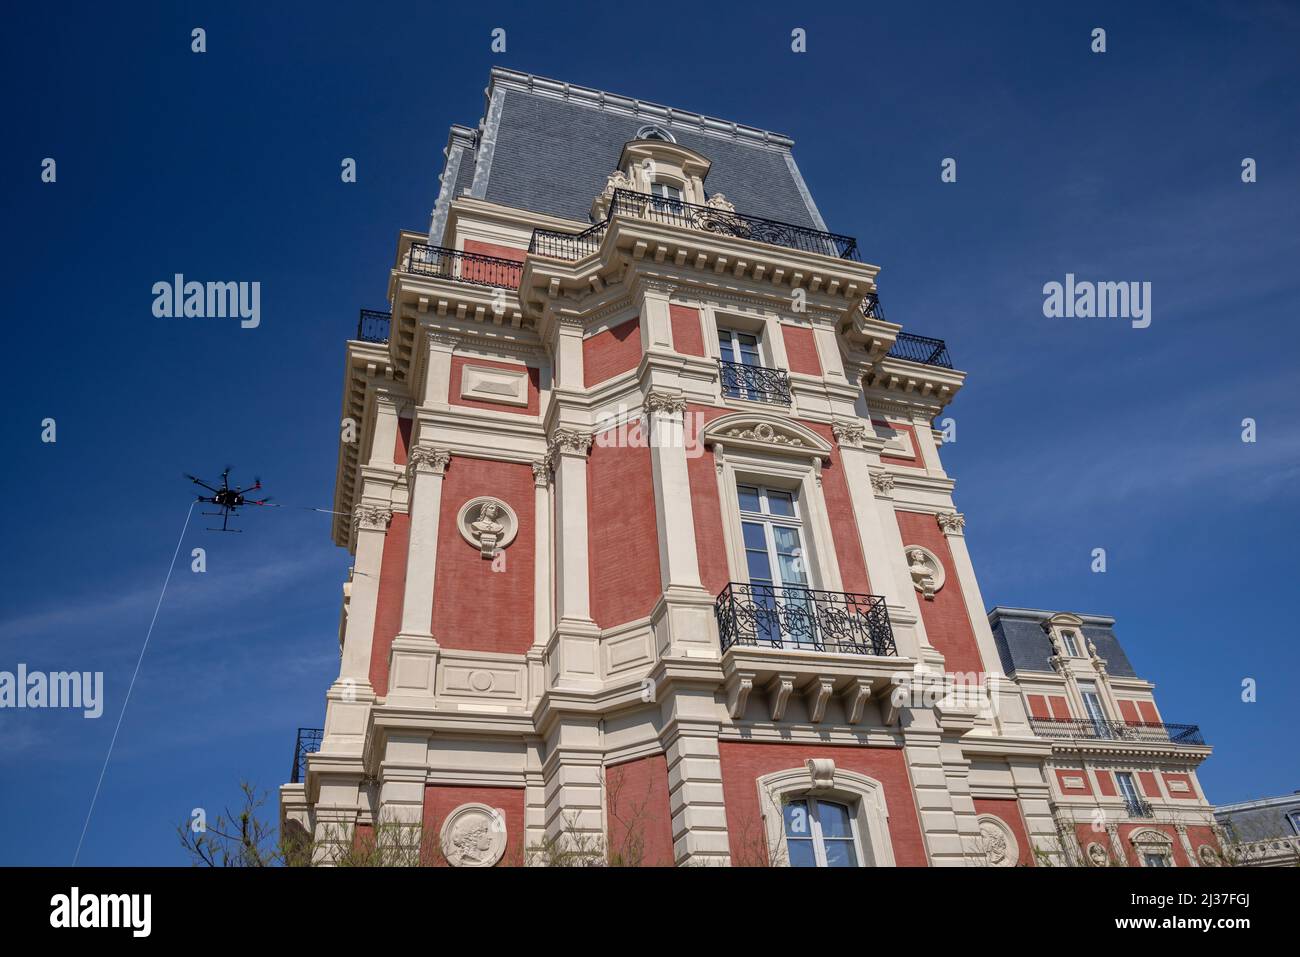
{"x": 780, "y": 503}
{"x": 841, "y": 854}
{"x": 792, "y": 571}
{"x": 760, "y": 569}
{"x": 797, "y": 822}
{"x": 787, "y": 540}
{"x": 801, "y": 853}
{"x": 834, "y": 819}
{"x": 754, "y": 537}
{"x": 749, "y": 501}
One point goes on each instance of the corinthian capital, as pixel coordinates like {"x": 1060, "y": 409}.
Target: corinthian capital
{"x": 570, "y": 442}
{"x": 882, "y": 483}
{"x": 952, "y": 523}
{"x": 849, "y": 433}
{"x": 371, "y": 516}
{"x": 664, "y": 403}
{"x": 425, "y": 458}
{"x": 542, "y": 473}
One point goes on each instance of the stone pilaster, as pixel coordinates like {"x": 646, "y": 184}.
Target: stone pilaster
{"x": 425, "y": 469}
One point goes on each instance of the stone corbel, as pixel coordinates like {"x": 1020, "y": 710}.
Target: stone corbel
{"x": 738, "y": 689}
{"x": 779, "y": 690}
{"x": 821, "y": 771}
{"x": 856, "y": 697}
{"x": 817, "y": 694}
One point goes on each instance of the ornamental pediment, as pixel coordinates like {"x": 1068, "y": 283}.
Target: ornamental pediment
{"x": 766, "y": 433}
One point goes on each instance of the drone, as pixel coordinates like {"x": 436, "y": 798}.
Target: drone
{"x": 228, "y": 499}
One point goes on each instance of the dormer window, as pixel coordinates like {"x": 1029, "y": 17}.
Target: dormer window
{"x": 666, "y": 191}
{"x": 655, "y": 133}
{"x": 1071, "y": 644}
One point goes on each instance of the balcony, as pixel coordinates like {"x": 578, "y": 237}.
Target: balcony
{"x": 373, "y": 325}
{"x": 755, "y": 383}
{"x": 1089, "y": 730}
{"x": 922, "y": 349}
{"x": 908, "y": 345}
{"x": 1136, "y": 807}
{"x": 711, "y": 219}
{"x": 809, "y": 619}
{"x": 473, "y": 268}
{"x": 308, "y": 743}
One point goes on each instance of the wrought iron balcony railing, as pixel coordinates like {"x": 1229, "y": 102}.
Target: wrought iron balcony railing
{"x": 1136, "y": 807}
{"x": 308, "y": 742}
{"x": 756, "y": 383}
{"x": 373, "y": 325}
{"x": 922, "y": 349}
{"x": 804, "y": 618}
{"x": 473, "y": 268}
{"x": 675, "y": 212}
{"x": 908, "y": 345}
{"x": 1087, "y": 729}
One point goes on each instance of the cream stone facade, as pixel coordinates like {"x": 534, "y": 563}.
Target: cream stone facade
{"x": 653, "y": 543}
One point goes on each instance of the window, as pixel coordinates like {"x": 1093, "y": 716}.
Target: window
{"x": 1071, "y": 645}
{"x": 1155, "y": 859}
{"x": 1092, "y": 706}
{"x": 776, "y": 565}
{"x": 820, "y": 834}
{"x": 1128, "y": 787}
{"x": 740, "y": 352}
{"x": 1293, "y": 818}
{"x": 655, "y": 133}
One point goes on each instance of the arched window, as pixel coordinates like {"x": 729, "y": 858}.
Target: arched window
{"x": 821, "y": 833}
{"x": 823, "y": 816}
{"x": 655, "y": 133}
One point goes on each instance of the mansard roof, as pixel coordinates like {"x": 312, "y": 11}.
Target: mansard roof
{"x": 548, "y": 146}
{"x": 1023, "y": 645}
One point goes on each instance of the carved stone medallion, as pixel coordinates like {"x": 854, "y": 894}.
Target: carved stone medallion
{"x": 928, "y": 574}
{"x": 996, "y": 842}
{"x": 488, "y": 524}
{"x": 474, "y": 835}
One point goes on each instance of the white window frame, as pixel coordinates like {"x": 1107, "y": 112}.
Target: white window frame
{"x": 1087, "y": 688}
{"x": 1070, "y": 642}
{"x": 1120, "y": 778}
{"x": 816, "y": 837}
{"x": 768, "y": 519}
{"x": 864, "y": 797}
{"x": 1150, "y": 841}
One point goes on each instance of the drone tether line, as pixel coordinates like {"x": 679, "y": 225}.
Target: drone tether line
{"x": 131, "y": 687}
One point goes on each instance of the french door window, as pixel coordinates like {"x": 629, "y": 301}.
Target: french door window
{"x": 666, "y": 197}
{"x": 1092, "y": 705}
{"x": 1128, "y": 788}
{"x": 739, "y": 351}
{"x": 777, "y": 566}
{"x": 820, "y": 834}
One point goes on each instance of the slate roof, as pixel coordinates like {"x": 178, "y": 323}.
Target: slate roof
{"x": 1024, "y": 646}
{"x": 548, "y": 146}
{"x": 1260, "y": 820}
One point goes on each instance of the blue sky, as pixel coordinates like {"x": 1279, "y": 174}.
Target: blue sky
{"x": 1072, "y": 434}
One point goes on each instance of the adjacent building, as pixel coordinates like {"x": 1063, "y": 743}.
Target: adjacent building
{"x": 656, "y": 559}
{"x": 1262, "y": 833}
